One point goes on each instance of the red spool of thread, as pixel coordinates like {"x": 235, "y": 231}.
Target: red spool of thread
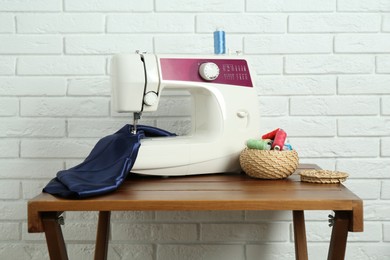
{"x": 270, "y": 135}
{"x": 279, "y": 140}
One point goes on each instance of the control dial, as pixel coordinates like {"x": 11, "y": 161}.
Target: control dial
{"x": 209, "y": 71}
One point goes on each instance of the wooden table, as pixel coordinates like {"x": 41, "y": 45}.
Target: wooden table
{"x": 206, "y": 192}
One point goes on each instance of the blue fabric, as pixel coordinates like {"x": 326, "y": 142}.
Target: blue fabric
{"x": 106, "y": 167}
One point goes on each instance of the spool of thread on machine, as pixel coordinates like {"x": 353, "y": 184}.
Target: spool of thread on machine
{"x": 219, "y": 42}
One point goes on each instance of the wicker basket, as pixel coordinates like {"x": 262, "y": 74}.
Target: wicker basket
{"x": 268, "y": 164}
{"x": 323, "y": 176}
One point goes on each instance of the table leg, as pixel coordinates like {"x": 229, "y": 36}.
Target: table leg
{"x": 54, "y": 238}
{"x": 103, "y": 233}
{"x": 338, "y": 241}
{"x": 300, "y": 235}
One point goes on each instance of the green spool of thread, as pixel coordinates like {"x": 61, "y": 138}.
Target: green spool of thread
{"x": 258, "y": 144}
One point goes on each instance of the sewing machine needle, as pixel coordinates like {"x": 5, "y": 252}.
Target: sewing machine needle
{"x": 136, "y": 117}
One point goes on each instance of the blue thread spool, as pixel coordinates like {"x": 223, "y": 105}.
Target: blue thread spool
{"x": 219, "y": 42}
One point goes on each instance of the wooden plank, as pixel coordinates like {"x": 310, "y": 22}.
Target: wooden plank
{"x": 54, "y": 238}
{"x": 102, "y": 237}
{"x": 300, "y": 235}
{"x": 338, "y": 241}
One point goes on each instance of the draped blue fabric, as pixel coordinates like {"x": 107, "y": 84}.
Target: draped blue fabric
{"x": 106, "y": 167}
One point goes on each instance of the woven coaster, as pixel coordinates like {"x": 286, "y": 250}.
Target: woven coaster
{"x": 323, "y": 176}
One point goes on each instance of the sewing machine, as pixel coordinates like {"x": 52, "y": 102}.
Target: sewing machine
{"x": 224, "y": 110}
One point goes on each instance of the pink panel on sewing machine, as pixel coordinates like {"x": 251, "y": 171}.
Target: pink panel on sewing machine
{"x": 231, "y": 72}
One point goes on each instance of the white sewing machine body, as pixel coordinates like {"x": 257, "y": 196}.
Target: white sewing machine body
{"x": 224, "y": 110}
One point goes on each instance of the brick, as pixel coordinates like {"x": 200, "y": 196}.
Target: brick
{"x": 135, "y": 252}
{"x": 244, "y": 232}
{"x": 360, "y": 188}
{"x": 64, "y": 65}
{"x": 385, "y": 147}
{"x": 107, "y": 44}
{"x": 385, "y": 191}
{"x": 32, "y": 86}
{"x": 75, "y": 216}
{"x": 15, "y": 210}
{"x": 301, "y": 126}
{"x": 362, "y": 43}
{"x": 364, "y": 126}
{"x": 288, "y": 44}
{"x": 383, "y": 64}
{"x": 330, "y": 147}
{"x": 296, "y": 85}
{"x": 147, "y": 23}
{"x": 193, "y": 44}
{"x": 23, "y": 251}
{"x": 155, "y": 232}
{"x": 9, "y": 189}
{"x": 28, "y": 44}
{"x": 9, "y": 106}
{"x": 37, "y": 169}
{"x": 89, "y": 86}
{"x": 200, "y": 6}
{"x": 267, "y": 23}
{"x": 22, "y": 127}
{"x": 363, "y": 5}
{"x": 274, "y": 251}
{"x": 273, "y": 106}
{"x": 377, "y": 84}
{"x": 109, "y": 5}
{"x": 36, "y": 5}
{"x": 93, "y": 127}
{"x": 32, "y": 188}
{"x": 334, "y": 23}
{"x": 321, "y": 233}
{"x": 79, "y": 231}
{"x": 9, "y": 231}
{"x": 338, "y": 105}
{"x": 386, "y": 23}
{"x": 323, "y": 64}
{"x": 9, "y": 148}
{"x": 265, "y": 64}
{"x": 290, "y": 5}
{"x": 7, "y": 23}
{"x": 200, "y": 251}
{"x": 58, "y": 106}
{"x": 56, "y": 148}
{"x": 386, "y": 232}
{"x": 376, "y": 210}
{"x": 7, "y": 65}
{"x": 60, "y": 23}
{"x": 364, "y": 168}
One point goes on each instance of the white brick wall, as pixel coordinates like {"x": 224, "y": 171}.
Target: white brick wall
{"x": 322, "y": 72}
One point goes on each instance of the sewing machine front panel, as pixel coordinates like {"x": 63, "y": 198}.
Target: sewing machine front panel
{"x": 231, "y": 71}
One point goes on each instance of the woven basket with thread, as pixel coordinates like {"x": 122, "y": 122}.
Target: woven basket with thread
{"x": 268, "y": 164}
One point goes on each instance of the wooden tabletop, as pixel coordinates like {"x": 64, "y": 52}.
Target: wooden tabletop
{"x": 208, "y": 192}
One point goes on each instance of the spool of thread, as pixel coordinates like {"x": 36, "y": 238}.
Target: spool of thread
{"x": 258, "y": 144}
{"x": 270, "y": 135}
{"x": 219, "y": 42}
{"x": 279, "y": 140}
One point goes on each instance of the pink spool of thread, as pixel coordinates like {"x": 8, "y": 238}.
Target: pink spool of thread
{"x": 279, "y": 140}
